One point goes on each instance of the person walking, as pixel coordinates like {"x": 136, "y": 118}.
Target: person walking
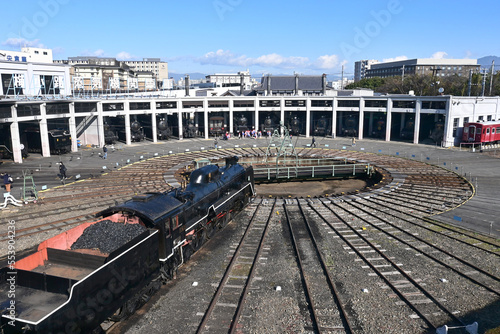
{"x": 313, "y": 142}
{"x": 7, "y": 180}
{"x": 62, "y": 171}
{"x": 105, "y": 150}
{"x": 353, "y": 143}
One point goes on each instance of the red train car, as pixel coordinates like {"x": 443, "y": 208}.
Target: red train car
{"x": 481, "y": 132}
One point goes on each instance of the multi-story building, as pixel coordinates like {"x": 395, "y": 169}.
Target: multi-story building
{"x": 31, "y": 72}
{"x": 105, "y": 73}
{"x": 435, "y": 67}
{"x": 154, "y": 65}
{"x": 360, "y": 68}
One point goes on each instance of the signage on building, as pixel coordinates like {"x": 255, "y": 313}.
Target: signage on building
{"x": 133, "y": 83}
{"x": 12, "y": 57}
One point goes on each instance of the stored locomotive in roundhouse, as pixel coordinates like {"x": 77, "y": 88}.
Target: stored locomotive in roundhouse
{"x": 61, "y": 289}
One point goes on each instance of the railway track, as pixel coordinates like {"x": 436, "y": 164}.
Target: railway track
{"x": 225, "y": 308}
{"x": 408, "y": 289}
{"x": 328, "y": 313}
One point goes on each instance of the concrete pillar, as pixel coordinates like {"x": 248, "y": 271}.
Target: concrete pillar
{"x": 416, "y": 133}
{"x": 308, "y": 117}
{"x": 282, "y": 113}
{"x": 257, "y": 121}
{"x": 256, "y": 112}
{"x": 388, "y": 120}
{"x": 44, "y": 132}
{"x": 16, "y": 142}
{"x": 72, "y": 127}
{"x": 231, "y": 114}
{"x": 361, "y": 118}
{"x": 334, "y": 117}
{"x": 205, "y": 120}
{"x": 153, "y": 121}
{"x": 126, "y": 111}
{"x": 100, "y": 125}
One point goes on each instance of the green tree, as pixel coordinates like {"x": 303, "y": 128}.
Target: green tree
{"x": 370, "y": 83}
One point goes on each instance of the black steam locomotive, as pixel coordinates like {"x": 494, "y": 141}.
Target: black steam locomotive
{"x": 242, "y": 124}
{"x": 59, "y": 141}
{"x": 59, "y": 289}
{"x": 190, "y": 129}
{"x": 164, "y": 131}
{"x": 323, "y": 126}
{"x": 295, "y": 126}
{"x": 110, "y": 136}
{"x": 136, "y": 131}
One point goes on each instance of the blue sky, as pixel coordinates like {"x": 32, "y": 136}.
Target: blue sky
{"x": 278, "y": 37}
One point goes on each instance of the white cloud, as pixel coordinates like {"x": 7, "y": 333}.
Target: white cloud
{"x": 22, "y": 42}
{"x": 274, "y": 60}
{"x": 327, "y": 62}
{"x": 124, "y": 56}
{"x": 439, "y": 55}
{"x": 398, "y": 58}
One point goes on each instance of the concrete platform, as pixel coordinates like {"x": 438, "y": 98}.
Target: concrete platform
{"x": 479, "y": 214}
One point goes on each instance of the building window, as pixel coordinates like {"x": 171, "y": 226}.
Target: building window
{"x": 455, "y": 126}
{"x": 348, "y": 103}
{"x": 488, "y": 118}
{"x": 480, "y": 118}
{"x": 36, "y": 52}
{"x": 466, "y": 120}
{"x": 44, "y": 53}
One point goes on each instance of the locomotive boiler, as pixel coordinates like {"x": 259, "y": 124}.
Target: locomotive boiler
{"x": 63, "y": 288}
{"x": 295, "y": 126}
{"x": 164, "y": 131}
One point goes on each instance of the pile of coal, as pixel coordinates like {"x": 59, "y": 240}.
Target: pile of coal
{"x": 107, "y": 236}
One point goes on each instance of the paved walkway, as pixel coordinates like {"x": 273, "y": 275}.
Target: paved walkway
{"x": 480, "y": 213}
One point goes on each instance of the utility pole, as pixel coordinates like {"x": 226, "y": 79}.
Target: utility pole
{"x": 484, "y": 82}
{"x": 470, "y": 82}
{"x": 403, "y": 74}
{"x": 342, "y": 79}
{"x": 492, "y": 73}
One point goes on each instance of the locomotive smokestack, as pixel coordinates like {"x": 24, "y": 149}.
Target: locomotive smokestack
{"x": 186, "y": 84}
{"x": 242, "y": 83}
{"x": 296, "y": 84}
{"x": 323, "y": 86}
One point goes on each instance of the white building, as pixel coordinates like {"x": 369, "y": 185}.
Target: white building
{"x": 31, "y": 72}
{"x": 27, "y": 55}
{"x": 339, "y": 84}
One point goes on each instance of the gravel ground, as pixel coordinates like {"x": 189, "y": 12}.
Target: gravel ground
{"x": 276, "y": 302}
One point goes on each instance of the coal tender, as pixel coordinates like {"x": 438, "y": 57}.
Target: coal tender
{"x": 107, "y": 268}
